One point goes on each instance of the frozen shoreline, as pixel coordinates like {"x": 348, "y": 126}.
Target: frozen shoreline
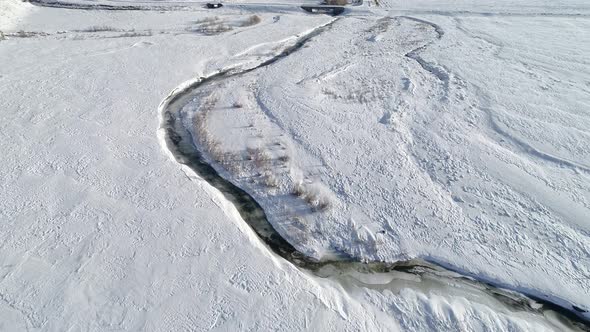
{"x": 272, "y": 126}
{"x": 99, "y": 146}
{"x": 179, "y": 136}
{"x": 344, "y": 267}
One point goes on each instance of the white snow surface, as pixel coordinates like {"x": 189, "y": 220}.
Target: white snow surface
{"x": 102, "y": 230}
{"x": 12, "y": 13}
{"x": 470, "y": 150}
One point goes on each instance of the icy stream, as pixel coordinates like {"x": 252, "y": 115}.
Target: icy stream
{"x": 416, "y": 274}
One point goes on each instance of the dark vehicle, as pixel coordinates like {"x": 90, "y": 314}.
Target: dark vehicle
{"x": 214, "y": 5}
{"x": 321, "y": 9}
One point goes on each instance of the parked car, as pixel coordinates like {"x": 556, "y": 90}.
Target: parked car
{"x": 211, "y": 5}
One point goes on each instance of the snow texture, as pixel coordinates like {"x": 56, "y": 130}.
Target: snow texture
{"x": 101, "y": 229}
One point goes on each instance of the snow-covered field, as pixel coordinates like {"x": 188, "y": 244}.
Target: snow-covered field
{"x": 452, "y": 136}
{"x": 467, "y": 146}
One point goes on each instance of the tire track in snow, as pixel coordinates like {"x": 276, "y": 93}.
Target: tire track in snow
{"x": 516, "y": 142}
{"x": 440, "y": 72}
{"x": 529, "y": 149}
